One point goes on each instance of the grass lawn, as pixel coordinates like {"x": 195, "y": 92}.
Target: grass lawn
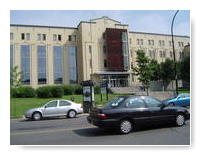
{"x": 18, "y": 106}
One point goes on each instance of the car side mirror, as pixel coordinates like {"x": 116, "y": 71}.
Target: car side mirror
{"x": 45, "y": 106}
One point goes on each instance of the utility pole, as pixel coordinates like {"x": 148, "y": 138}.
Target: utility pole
{"x": 175, "y": 71}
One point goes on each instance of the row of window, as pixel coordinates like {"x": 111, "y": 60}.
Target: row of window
{"x": 160, "y": 42}
{"x": 43, "y": 37}
{"x": 42, "y": 63}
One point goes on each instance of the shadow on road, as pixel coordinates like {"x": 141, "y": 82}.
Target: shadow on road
{"x": 96, "y": 132}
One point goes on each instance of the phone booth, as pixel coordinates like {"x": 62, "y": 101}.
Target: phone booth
{"x": 88, "y": 95}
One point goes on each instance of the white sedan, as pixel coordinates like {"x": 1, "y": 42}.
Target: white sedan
{"x": 55, "y": 108}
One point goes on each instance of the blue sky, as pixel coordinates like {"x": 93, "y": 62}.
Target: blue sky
{"x": 153, "y": 21}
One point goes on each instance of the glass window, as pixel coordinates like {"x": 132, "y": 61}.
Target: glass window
{"x": 59, "y": 37}
{"x": 11, "y": 55}
{"x": 135, "y": 103}
{"x": 54, "y": 37}
{"x": 64, "y": 103}
{"x": 51, "y": 104}
{"x": 23, "y": 36}
{"x": 39, "y": 37}
{"x": 58, "y": 65}
{"x": 114, "y": 102}
{"x": 11, "y": 36}
{"x": 72, "y": 64}
{"x": 25, "y": 63}
{"x": 27, "y": 36}
{"x": 151, "y": 102}
{"x": 161, "y": 54}
{"x": 43, "y": 37}
{"x": 41, "y": 64}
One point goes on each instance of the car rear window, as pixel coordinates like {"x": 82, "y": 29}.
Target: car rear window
{"x": 114, "y": 102}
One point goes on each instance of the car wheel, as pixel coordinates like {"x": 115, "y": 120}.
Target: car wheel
{"x": 37, "y": 116}
{"x": 71, "y": 114}
{"x": 125, "y": 126}
{"x": 171, "y": 104}
{"x": 180, "y": 120}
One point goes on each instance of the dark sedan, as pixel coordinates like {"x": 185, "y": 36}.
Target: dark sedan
{"x": 123, "y": 113}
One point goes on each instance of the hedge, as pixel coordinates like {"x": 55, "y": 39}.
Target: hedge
{"x": 23, "y": 92}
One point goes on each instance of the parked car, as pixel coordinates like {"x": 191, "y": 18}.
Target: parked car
{"x": 123, "y": 113}
{"x": 55, "y": 108}
{"x": 178, "y": 100}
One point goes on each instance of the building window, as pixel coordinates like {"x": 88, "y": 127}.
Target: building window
{"x": 11, "y": 55}
{"x": 90, "y": 48}
{"x": 11, "y": 36}
{"x": 58, "y": 79}
{"x": 140, "y": 41}
{"x": 57, "y": 37}
{"x": 41, "y": 50}
{"x": 90, "y": 63}
{"x": 170, "y": 43}
{"x": 105, "y": 63}
{"x": 41, "y": 37}
{"x": 163, "y": 43}
{"x": 171, "y": 54}
{"x": 25, "y": 36}
{"x": 71, "y": 38}
{"x": 104, "y": 49}
{"x": 72, "y": 64}
{"x": 25, "y": 64}
{"x": 164, "y": 54}
{"x": 160, "y": 43}
{"x": 161, "y": 54}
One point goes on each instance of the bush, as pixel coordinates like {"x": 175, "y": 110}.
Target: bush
{"x": 57, "y": 91}
{"x": 23, "y": 92}
{"x": 50, "y": 92}
{"x": 68, "y": 89}
{"x": 97, "y": 90}
{"x": 44, "y": 92}
{"x": 78, "y": 89}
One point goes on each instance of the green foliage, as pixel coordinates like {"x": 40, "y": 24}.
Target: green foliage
{"x": 184, "y": 69}
{"x": 78, "y": 89}
{"x": 44, "y": 92}
{"x": 155, "y": 66}
{"x": 57, "y": 91}
{"x": 15, "y": 77}
{"x": 144, "y": 69}
{"x": 97, "y": 89}
{"x": 68, "y": 89}
{"x": 23, "y": 92}
{"x": 167, "y": 70}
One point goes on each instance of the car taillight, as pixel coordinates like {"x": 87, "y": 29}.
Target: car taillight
{"x": 101, "y": 116}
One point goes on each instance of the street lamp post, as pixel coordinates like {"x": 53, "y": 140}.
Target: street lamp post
{"x": 175, "y": 72}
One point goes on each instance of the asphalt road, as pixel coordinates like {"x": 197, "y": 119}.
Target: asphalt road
{"x": 77, "y": 131}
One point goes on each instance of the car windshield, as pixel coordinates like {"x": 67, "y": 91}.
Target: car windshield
{"x": 114, "y": 102}
{"x": 173, "y": 97}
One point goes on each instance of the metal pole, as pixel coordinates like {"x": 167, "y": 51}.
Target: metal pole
{"x": 175, "y": 72}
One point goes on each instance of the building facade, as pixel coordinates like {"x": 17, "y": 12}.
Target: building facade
{"x": 100, "y": 49}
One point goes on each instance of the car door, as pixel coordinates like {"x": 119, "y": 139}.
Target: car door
{"x": 137, "y": 110}
{"x": 63, "y": 107}
{"x": 159, "y": 113}
{"x": 50, "y": 109}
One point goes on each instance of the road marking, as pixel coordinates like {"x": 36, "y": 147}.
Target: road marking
{"x": 47, "y": 131}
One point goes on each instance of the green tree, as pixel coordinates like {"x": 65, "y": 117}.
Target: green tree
{"x": 184, "y": 69}
{"x": 15, "y": 77}
{"x": 155, "y": 66}
{"x": 143, "y": 70}
{"x": 167, "y": 70}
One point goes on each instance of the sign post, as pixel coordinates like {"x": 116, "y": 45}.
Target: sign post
{"x": 88, "y": 95}
{"x": 104, "y": 89}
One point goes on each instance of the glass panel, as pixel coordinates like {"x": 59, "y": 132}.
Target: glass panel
{"x": 64, "y": 103}
{"x": 135, "y": 103}
{"x": 11, "y": 55}
{"x": 41, "y": 64}
{"x": 153, "y": 102}
{"x": 52, "y": 104}
{"x": 72, "y": 64}
{"x": 25, "y": 64}
{"x": 57, "y": 64}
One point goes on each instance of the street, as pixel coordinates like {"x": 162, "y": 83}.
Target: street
{"x": 78, "y": 131}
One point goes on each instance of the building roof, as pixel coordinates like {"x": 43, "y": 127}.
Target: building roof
{"x": 42, "y": 26}
{"x": 157, "y": 34}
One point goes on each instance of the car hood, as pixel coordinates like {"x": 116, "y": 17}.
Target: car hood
{"x": 167, "y": 101}
{"x": 34, "y": 109}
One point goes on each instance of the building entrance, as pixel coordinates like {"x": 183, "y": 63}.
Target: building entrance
{"x": 115, "y": 80}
